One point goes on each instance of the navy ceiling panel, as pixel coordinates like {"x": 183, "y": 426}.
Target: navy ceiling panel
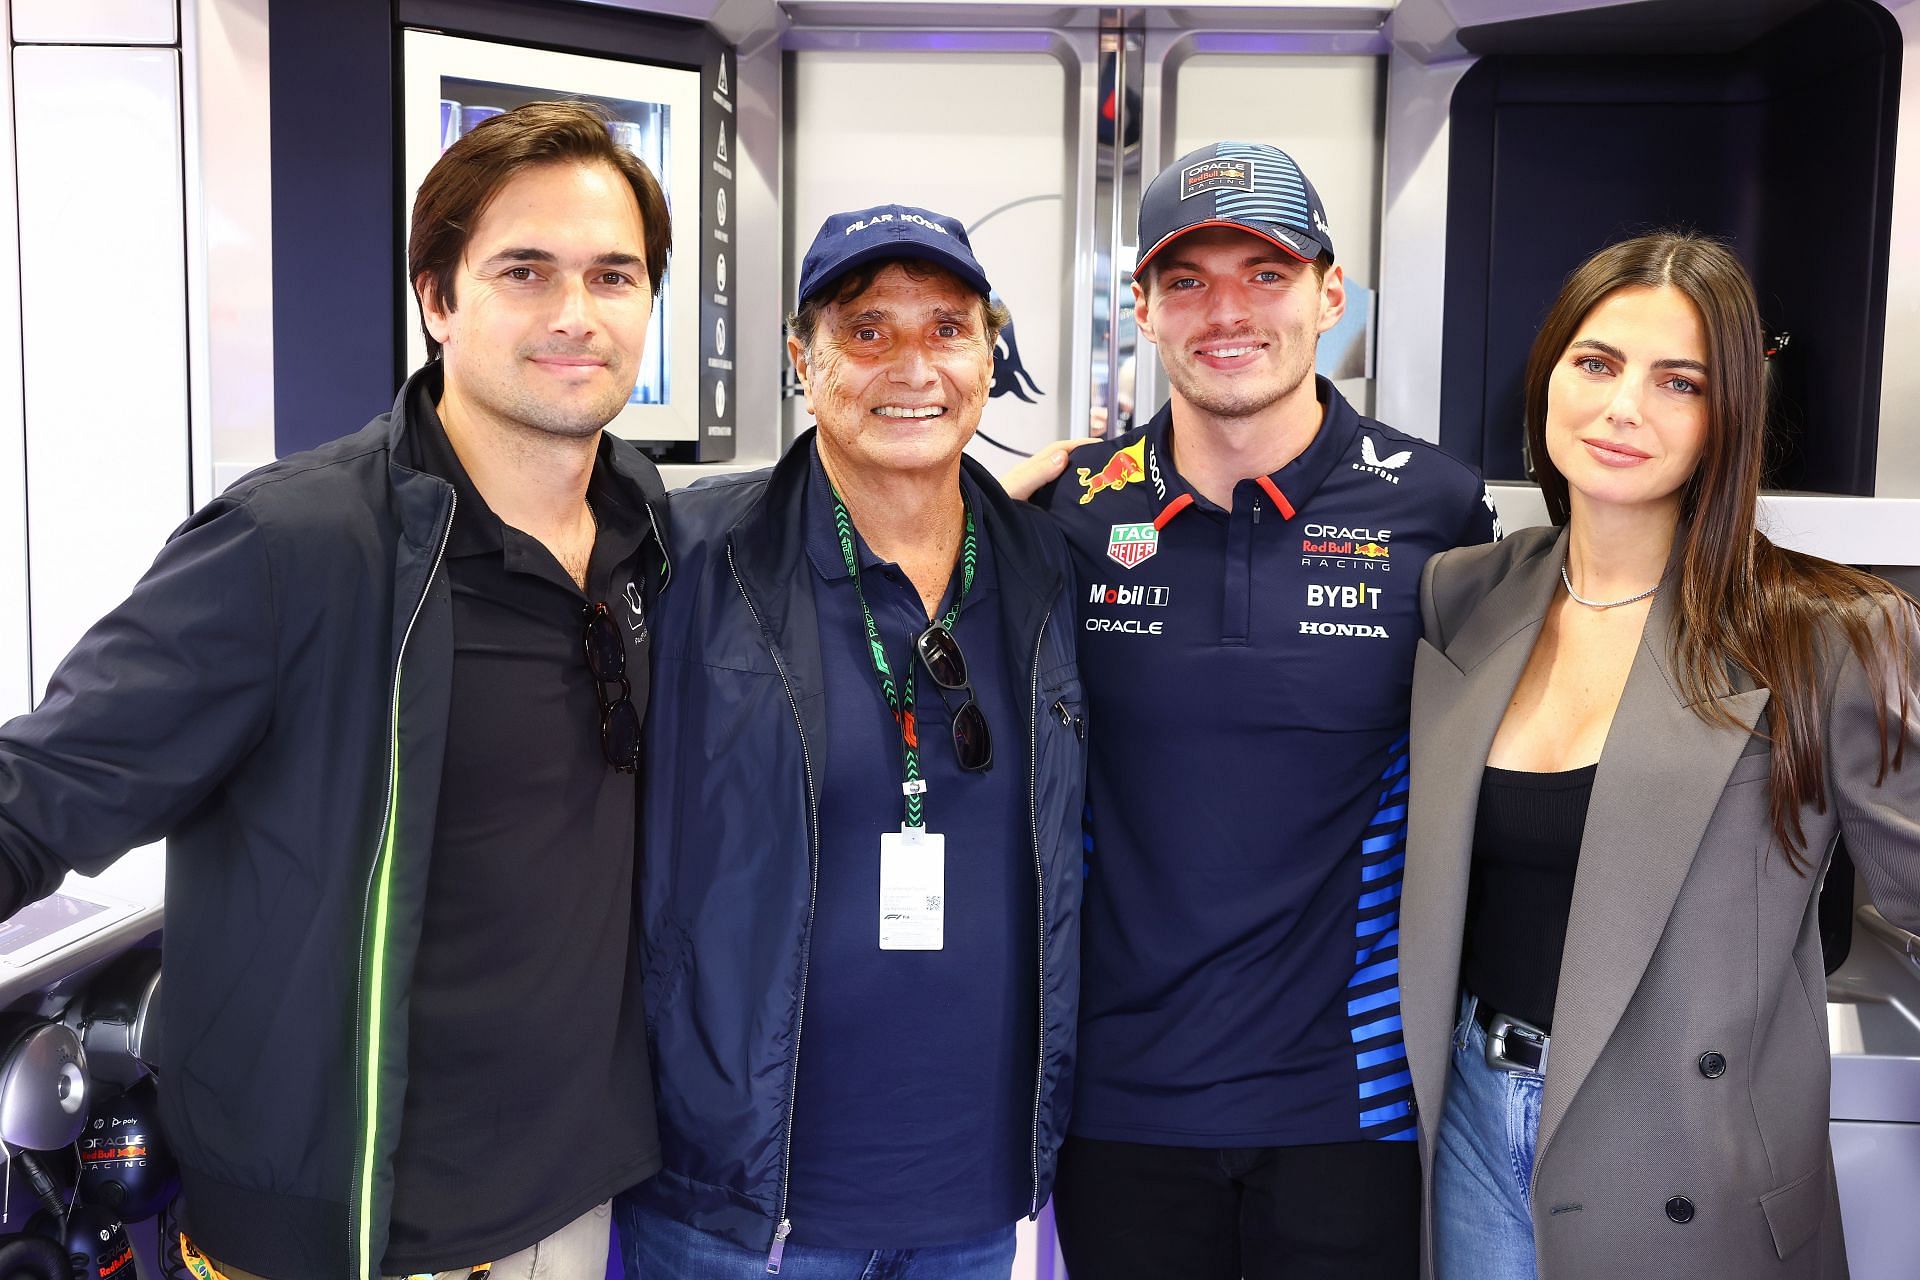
{"x": 1783, "y": 148}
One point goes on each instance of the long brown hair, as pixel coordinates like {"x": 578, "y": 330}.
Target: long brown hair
{"x": 1743, "y": 603}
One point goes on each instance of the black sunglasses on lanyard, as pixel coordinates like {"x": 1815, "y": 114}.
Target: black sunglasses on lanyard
{"x": 607, "y": 663}
{"x": 940, "y": 655}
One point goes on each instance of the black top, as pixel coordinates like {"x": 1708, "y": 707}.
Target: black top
{"x": 1526, "y": 847}
{"x": 528, "y": 1096}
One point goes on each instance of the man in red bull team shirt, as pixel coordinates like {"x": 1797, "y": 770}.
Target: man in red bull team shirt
{"x": 1250, "y": 566}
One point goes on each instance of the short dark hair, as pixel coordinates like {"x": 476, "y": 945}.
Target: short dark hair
{"x": 465, "y": 180}
{"x": 1321, "y": 265}
{"x": 805, "y": 322}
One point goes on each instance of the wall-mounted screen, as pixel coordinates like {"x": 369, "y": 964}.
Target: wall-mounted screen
{"x": 451, "y": 84}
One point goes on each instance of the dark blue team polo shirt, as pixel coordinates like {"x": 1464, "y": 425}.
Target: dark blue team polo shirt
{"x": 1247, "y": 677}
{"x": 915, "y": 1098}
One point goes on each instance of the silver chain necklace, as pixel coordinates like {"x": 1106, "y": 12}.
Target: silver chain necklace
{"x": 1601, "y": 604}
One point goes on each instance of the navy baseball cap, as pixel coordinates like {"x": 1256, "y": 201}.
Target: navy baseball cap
{"x": 1248, "y": 186}
{"x": 849, "y": 240}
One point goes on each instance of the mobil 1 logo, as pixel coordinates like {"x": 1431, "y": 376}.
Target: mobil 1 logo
{"x": 1127, "y": 596}
{"x": 1104, "y": 593}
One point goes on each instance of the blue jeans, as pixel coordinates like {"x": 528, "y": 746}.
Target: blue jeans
{"x": 1483, "y": 1165}
{"x": 654, "y": 1246}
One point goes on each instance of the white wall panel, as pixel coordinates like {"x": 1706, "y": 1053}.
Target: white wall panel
{"x": 1877, "y": 1166}
{"x": 978, "y": 136}
{"x": 1898, "y": 471}
{"x": 103, "y": 301}
{"x": 16, "y": 684}
{"x": 229, "y": 165}
{"x": 1413, "y": 253}
{"x": 1884, "y": 532}
{"x": 1325, "y": 112}
{"x": 95, "y": 21}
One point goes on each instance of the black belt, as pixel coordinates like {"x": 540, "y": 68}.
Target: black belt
{"x": 1512, "y": 1044}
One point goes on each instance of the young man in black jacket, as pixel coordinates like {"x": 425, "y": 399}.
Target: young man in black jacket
{"x": 399, "y": 805}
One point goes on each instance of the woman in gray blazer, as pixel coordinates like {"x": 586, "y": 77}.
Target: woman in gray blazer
{"x": 1635, "y": 737}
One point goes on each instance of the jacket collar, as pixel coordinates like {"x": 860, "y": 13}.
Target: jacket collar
{"x": 423, "y": 501}
{"x": 823, "y": 539}
{"x": 769, "y": 540}
{"x": 422, "y": 494}
{"x": 768, "y": 546}
{"x": 1517, "y": 603}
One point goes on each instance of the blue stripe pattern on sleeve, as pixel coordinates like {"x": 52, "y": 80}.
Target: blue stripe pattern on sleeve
{"x": 1384, "y": 1087}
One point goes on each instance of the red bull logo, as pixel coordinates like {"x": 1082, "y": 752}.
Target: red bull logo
{"x": 1342, "y": 542}
{"x": 105, "y": 1155}
{"x": 123, "y": 1261}
{"x": 1122, "y": 469}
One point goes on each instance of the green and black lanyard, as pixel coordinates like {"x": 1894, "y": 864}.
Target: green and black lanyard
{"x": 901, "y": 702}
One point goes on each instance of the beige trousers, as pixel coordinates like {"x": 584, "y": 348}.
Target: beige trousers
{"x": 577, "y": 1251}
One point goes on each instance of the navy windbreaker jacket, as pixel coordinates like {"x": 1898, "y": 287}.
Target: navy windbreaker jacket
{"x": 736, "y": 748}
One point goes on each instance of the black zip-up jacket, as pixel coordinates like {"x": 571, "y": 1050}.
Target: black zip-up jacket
{"x": 272, "y": 699}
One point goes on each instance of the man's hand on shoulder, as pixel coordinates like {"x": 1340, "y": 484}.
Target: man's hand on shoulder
{"x": 1043, "y": 468}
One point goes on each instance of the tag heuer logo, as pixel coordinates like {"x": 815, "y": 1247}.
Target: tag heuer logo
{"x": 1129, "y": 544}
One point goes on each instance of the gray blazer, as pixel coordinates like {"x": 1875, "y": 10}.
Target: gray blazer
{"x": 1689, "y": 934}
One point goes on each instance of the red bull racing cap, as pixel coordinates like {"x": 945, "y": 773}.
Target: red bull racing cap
{"x": 1248, "y": 186}
{"x": 849, "y": 240}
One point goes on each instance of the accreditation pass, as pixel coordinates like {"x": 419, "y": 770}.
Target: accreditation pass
{"x": 913, "y": 890}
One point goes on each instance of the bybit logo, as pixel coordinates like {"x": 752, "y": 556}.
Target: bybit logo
{"x": 1336, "y": 597}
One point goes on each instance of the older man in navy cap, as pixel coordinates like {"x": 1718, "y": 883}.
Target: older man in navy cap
{"x": 862, "y": 880}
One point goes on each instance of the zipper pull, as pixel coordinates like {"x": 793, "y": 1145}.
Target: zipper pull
{"x": 779, "y": 1246}
{"x": 1069, "y": 719}
{"x": 1256, "y": 509}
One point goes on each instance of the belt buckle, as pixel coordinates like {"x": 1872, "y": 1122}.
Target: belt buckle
{"x": 1499, "y": 1028}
